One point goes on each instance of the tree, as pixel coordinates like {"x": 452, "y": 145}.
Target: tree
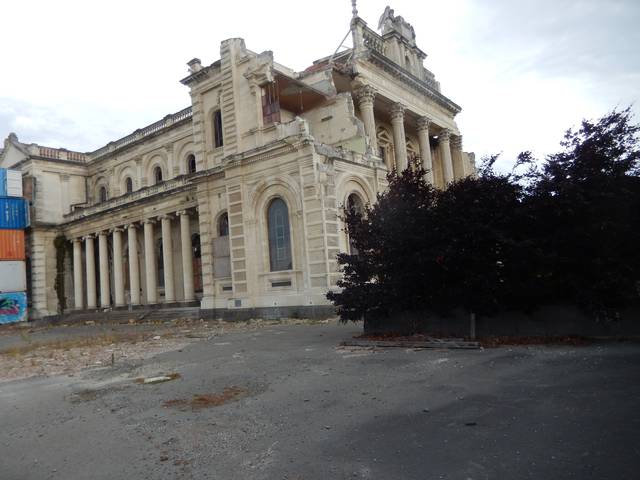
{"x": 586, "y": 203}
{"x": 565, "y": 232}
{"x": 420, "y": 248}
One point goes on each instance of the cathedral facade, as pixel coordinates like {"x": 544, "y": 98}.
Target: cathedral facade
{"x": 232, "y": 205}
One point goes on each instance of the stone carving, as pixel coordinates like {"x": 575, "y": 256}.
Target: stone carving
{"x": 397, "y": 111}
{"x": 444, "y": 135}
{"x": 365, "y": 94}
{"x": 389, "y": 23}
{"x": 424, "y": 123}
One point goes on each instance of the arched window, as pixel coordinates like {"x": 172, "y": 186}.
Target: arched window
{"x": 128, "y": 185}
{"x": 355, "y": 205}
{"x": 157, "y": 174}
{"x": 102, "y": 195}
{"x": 191, "y": 164}
{"x": 279, "y": 237}
{"x": 223, "y": 225}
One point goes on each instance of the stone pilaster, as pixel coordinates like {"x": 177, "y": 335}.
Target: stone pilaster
{"x": 399, "y": 139}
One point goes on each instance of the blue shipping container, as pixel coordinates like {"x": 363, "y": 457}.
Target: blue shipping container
{"x": 14, "y": 213}
{"x": 13, "y": 307}
{"x": 3, "y": 182}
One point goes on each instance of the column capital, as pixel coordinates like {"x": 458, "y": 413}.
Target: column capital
{"x": 397, "y": 111}
{"x": 365, "y": 94}
{"x": 456, "y": 142}
{"x": 132, "y": 225}
{"x": 166, "y": 216}
{"x": 444, "y": 135}
{"x": 103, "y": 233}
{"x": 180, "y": 213}
{"x": 116, "y": 229}
{"x": 89, "y": 236}
{"x": 424, "y": 123}
{"x": 149, "y": 221}
{"x": 77, "y": 239}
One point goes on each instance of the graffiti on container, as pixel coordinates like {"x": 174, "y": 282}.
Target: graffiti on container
{"x": 13, "y": 307}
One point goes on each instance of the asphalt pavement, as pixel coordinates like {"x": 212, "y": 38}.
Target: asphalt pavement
{"x": 285, "y": 402}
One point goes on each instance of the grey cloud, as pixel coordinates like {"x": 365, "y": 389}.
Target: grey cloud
{"x": 563, "y": 38}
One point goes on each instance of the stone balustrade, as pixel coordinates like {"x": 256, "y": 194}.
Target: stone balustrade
{"x": 142, "y": 133}
{"x": 145, "y": 192}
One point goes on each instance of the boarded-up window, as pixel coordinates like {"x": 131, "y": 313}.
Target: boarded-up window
{"x": 270, "y": 104}
{"x": 221, "y": 257}
{"x": 218, "y": 139}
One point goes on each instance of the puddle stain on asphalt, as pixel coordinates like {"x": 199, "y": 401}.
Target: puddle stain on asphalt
{"x": 207, "y": 400}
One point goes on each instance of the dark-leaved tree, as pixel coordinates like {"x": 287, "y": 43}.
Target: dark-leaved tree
{"x": 586, "y": 203}
{"x": 567, "y": 232}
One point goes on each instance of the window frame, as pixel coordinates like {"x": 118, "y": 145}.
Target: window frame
{"x": 218, "y": 134}
{"x": 191, "y": 161}
{"x": 157, "y": 178}
{"x": 279, "y": 230}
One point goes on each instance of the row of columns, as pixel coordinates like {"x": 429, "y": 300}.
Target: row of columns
{"x": 366, "y": 97}
{"x": 134, "y": 269}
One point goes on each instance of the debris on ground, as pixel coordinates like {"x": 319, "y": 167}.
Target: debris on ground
{"x": 158, "y": 379}
{"x": 403, "y": 342}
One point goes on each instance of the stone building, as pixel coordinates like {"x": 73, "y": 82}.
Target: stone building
{"x": 232, "y": 204}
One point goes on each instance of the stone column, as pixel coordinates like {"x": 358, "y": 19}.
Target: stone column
{"x": 77, "y": 273}
{"x": 425, "y": 147}
{"x": 134, "y": 269}
{"x": 445, "y": 154}
{"x": 167, "y": 259}
{"x": 150, "y": 262}
{"x": 103, "y": 256}
{"x": 118, "y": 276}
{"x": 399, "y": 139}
{"x": 91, "y": 272}
{"x": 187, "y": 256}
{"x": 456, "y": 156}
{"x": 365, "y": 96}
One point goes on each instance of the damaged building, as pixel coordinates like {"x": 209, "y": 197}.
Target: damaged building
{"x": 231, "y": 206}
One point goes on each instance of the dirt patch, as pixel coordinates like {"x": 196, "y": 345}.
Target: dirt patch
{"x": 207, "y": 400}
{"x": 77, "y": 342}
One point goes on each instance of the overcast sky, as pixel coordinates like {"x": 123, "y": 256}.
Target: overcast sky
{"x": 78, "y": 74}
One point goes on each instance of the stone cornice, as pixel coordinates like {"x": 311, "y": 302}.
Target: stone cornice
{"x": 413, "y": 81}
{"x": 203, "y": 73}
